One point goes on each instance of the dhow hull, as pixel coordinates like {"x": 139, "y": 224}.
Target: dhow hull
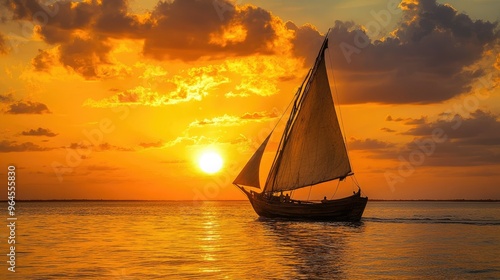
{"x": 346, "y": 209}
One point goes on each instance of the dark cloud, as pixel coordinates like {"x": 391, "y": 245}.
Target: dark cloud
{"x": 99, "y": 148}
{"x": 259, "y": 115}
{"x": 84, "y": 55}
{"x": 43, "y": 61}
{"x": 448, "y": 153}
{"x": 386, "y": 129}
{"x": 458, "y": 141}
{"x": 391, "y": 119}
{"x": 411, "y": 121}
{"x": 39, "y": 132}
{"x": 152, "y": 144}
{"x": 62, "y": 22}
{"x": 481, "y": 128}
{"x": 367, "y": 144}
{"x": 179, "y": 29}
{"x": 28, "y": 107}
{"x": 428, "y": 58}
{"x": 6, "y": 98}
{"x": 306, "y": 42}
{"x": 3, "y": 44}
{"x": 79, "y": 146}
{"x": 190, "y": 29}
{"x": 108, "y": 147}
{"x": 12, "y": 146}
{"x": 407, "y": 121}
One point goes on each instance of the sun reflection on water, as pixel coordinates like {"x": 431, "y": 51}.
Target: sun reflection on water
{"x": 226, "y": 240}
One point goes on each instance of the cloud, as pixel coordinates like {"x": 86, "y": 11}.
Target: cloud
{"x": 248, "y": 76}
{"x": 391, "y": 119}
{"x": 147, "y": 97}
{"x": 480, "y": 128}
{"x": 6, "y": 98}
{"x": 81, "y": 29}
{"x": 12, "y": 146}
{"x": 108, "y": 147}
{"x": 407, "y": 121}
{"x": 368, "y": 144}
{"x": 225, "y": 120}
{"x": 138, "y": 95}
{"x": 84, "y": 54}
{"x": 39, "y": 132}
{"x": 228, "y": 120}
{"x": 386, "y": 129}
{"x": 195, "y": 29}
{"x": 98, "y": 148}
{"x": 191, "y": 84}
{"x": 179, "y": 29}
{"x": 146, "y": 145}
{"x": 260, "y": 115}
{"x": 431, "y": 56}
{"x": 28, "y": 107}
{"x": 190, "y": 140}
{"x": 79, "y": 146}
{"x": 455, "y": 141}
{"x": 43, "y": 61}
{"x": 306, "y": 42}
{"x": 411, "y": 121}
{"x": 3, "y": 45}
{"x": 258, "y": 75}
{"x": 454, "y": 154}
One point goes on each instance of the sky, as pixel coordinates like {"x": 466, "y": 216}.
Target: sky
{"x": 119, "y": 99}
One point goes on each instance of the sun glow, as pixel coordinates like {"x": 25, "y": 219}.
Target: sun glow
{"x": 210, "y": 162}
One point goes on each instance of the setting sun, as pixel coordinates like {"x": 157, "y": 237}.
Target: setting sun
{"x": 210, "y": 162}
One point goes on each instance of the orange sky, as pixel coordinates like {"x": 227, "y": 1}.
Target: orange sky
{"x": 118, "y": 100}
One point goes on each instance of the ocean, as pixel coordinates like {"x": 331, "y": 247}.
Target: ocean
{"x": 227, "y": 240}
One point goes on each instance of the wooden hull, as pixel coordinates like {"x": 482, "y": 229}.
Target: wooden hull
{"x": 346, "y": 209}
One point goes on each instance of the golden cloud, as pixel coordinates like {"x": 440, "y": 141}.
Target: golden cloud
{"x": 242, "y": 76}
{"x": 85, "y": 32}
{"x": 228, "y": 120}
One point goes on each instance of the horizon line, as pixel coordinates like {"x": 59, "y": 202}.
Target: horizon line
{"x": 184, "y": 200}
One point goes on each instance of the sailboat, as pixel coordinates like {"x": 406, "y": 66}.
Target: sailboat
{"x": 311, "y": 151}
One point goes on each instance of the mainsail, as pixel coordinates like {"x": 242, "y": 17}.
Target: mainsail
{"x": 313, "y": 149}
{"x": 249, "y": 175}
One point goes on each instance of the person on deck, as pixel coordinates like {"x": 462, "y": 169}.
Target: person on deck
{"x": 324, "y": 199}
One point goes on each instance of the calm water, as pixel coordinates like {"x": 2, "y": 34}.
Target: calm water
{"x": 226, "y": 240}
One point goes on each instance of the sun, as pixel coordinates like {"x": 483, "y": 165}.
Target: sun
{"x": 210, "y": 162}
